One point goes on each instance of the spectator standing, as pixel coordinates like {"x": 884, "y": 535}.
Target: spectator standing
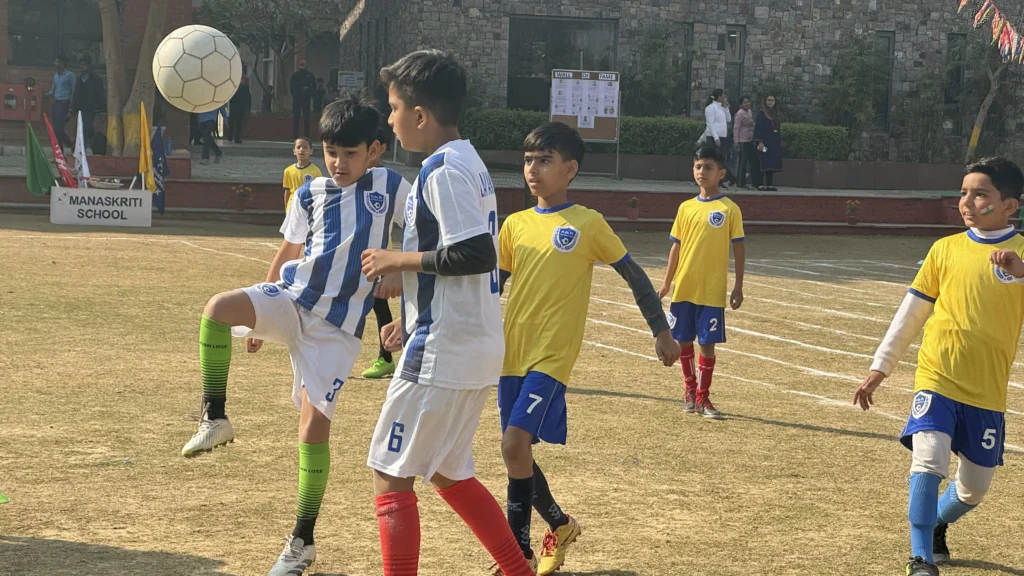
{"x": 743, "y": 133}
{"x": 90, "y": 99}
{"x": 717, "y": 117}
{"x": 62, "y": 91}
{"x": 208, "y": 126}
{"x": 768, "y": 140}
{"x": 302, "y": 85}
{"x": 241, "y": 104}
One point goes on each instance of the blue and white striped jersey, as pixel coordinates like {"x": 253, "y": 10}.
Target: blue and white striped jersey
{"x": 451, "y": 325}
{"x": 336, "y": 225}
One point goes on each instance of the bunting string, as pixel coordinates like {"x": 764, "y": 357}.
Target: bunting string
{"x": 1010, "y": 42}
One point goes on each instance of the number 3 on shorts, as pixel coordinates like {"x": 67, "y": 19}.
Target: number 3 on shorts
{"x": 395, "y": 442}
{"x": 988, "y": 439}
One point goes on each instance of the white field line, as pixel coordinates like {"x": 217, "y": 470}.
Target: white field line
{"x": 853, "y": 269}
{"x": 748, "y": 282}
{"x": 825, "y": 284}
{"x": 131, "y": 239}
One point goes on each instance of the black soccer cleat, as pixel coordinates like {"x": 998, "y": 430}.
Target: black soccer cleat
{"x": 939, "y": 549}
{"x": 918, "y": 567}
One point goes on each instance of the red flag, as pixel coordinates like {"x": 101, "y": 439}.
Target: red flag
{"x": 58, "y": 155}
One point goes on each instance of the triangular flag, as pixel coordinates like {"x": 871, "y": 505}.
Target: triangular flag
{"x": 145, "y": 151}
{"x": 39, "y": 176}
{"x": 81, "y": 161}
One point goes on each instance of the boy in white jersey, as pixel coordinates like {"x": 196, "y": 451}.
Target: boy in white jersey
{"x": 969, "y": 297}
{"x": 450, "y": 325}
{"x": 315, "y": 300}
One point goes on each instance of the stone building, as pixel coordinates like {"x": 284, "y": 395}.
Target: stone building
{"x": 510, "y": 46}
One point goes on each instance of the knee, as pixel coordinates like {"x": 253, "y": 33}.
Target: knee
{"x": 516, "y": 452}
{"x": 972, "y": 482}
{"x": 707, "y": 350}
{"x": 216, "y": 307}
{"x": 931, "y": 450}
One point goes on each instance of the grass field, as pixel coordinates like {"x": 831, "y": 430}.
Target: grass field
{"x": 99, "y": 369}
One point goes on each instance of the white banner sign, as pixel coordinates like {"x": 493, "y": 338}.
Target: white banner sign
{"x": 350, "y": 80}
{"x": 95, "y": 207}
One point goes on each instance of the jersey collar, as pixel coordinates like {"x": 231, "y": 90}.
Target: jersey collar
{"x": 553, "y": 209}
{"x": 991, "y": 236}
{"x": 719, "y": 197}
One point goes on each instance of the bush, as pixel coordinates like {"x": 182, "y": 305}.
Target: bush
{"x": 501, "y": 129}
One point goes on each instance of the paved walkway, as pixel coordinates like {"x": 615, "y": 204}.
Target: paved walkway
{"x": 256, "y": 162}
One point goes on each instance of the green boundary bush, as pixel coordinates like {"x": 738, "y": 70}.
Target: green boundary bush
{"x": 501, "y": 129}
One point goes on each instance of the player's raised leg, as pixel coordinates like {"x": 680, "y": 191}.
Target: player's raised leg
{"x": 314, "y": 468}
{"x": 223, "y": 311}
{"x": 963, "y": 494}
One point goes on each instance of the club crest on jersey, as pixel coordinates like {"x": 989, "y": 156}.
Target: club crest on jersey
{"x": 1004, "y": 277}
{"x": 410, "y": 210}
{"x": 376, "y": 202}
{"x": 716, "y": 218}
{"x": 307, "y": 178}
{"x": 270, "y": 289}
{"x": 922, "y": 402}
{"x": 671, "y": 319}
{"x": 565, "y": 238}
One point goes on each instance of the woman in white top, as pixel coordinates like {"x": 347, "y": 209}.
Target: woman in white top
{"x": 717, "y": 117}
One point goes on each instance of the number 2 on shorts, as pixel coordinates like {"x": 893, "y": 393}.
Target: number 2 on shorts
{"x": 714, "y": 325}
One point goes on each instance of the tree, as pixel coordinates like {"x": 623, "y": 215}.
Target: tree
{"x": 849, "y": 96}
{"x": 143, "y": 87}
{"x": 277, "y": 27}
{"x": 116, "y": 85}
{"x": 654, "y": 81}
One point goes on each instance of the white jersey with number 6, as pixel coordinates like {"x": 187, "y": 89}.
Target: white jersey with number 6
{"x": 451, "y": 325}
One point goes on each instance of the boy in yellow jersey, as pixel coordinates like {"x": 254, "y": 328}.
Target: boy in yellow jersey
{"x": 698, "y": 261}
{"x": 969, "y": 297}
{"x": 301, "y": 172}
{"x": 550, "y": 252}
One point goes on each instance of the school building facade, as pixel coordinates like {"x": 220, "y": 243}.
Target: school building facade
{"x": 510, "y": 46}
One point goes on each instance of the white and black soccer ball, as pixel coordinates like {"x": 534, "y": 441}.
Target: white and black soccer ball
{"x": 197, "y": 68}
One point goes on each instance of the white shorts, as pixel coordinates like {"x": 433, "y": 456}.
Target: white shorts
{"x": 423, "y": 430}
{"x": 322, "y": 354}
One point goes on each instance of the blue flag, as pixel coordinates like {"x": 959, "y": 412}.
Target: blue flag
{"x": 160, "y": 169}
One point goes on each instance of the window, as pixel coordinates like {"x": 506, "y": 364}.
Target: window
{"x": 885, "y": 42}
{"x": 956, "y": 68}
{"x": 681, "y": 52}
{"x": 735, "y": 52}
{"x": 40, "y": 30}
{"x": 536, "y": 46}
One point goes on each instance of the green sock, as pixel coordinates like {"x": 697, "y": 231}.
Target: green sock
{"x": 314, "y": 466}
{"x": 214, "y": 361}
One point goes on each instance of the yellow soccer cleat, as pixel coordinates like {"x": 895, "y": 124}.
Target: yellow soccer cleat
{"x": 495, "y": 571}
{"x": 556, "y": 543}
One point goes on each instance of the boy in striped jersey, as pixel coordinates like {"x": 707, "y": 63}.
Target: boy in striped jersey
{"x": 315, "y": 300}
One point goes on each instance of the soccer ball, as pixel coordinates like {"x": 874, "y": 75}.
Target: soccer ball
{"x": 197, "y": 68}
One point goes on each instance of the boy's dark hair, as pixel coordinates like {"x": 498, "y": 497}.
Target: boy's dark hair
{"x": 306, "y": 140}
{"x": 710, "y": 153}
{"x": 384, "y": 133}
{"x": 349, "y": 122}
{"x": 555, "y": 137}
{"x": 431, "y": 79}
{"x": 1005, "y": 175}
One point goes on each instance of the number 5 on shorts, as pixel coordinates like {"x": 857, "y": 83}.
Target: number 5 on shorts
{"x": 988, "y": 439}
{"x": 395, "y": 442}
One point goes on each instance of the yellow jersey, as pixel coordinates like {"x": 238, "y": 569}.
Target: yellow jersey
{"x": 550, "y": 254}
{"x": 705, "y": 230}
{"x": 970, "y": 340}
{"x": 295, "y": 177}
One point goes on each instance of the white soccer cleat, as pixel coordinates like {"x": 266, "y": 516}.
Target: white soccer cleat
{"x": 295, "y": 558}
{"x": 211, "y": 433}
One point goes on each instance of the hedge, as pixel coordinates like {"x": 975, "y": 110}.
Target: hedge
{"x": 502, "y": 129}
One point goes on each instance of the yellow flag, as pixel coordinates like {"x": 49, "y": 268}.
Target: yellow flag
{"x": 145, "y": 151}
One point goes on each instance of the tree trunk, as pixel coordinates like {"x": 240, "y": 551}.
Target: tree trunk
{"x": 979, "y": 121}
{"x": 143, "y": 88}
{"x": 116, "y": 83}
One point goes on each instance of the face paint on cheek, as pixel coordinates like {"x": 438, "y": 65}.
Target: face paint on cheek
{"x": 987, "y": 210}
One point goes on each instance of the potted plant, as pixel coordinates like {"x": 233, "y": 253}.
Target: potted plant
{"x": 633, "y": 208}
{"x": 852, "y": 212}
{"x": 242, "y": 194}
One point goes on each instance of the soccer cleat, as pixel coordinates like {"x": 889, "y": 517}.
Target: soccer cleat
{"x": 690, "y": 399}
{"x": 381, "y": 369}
{"x": 918, "y": 567}
{"x": 295, "y": 558}
{"x": 706, "y": 409}
{"x": 556, "y": 543}
{"x": 495, "y": 571}
{"x": 940, "y": 551}
{"x": 211, "y": 433}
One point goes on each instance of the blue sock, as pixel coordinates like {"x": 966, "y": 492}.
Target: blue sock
{"x": 923, "y": 513}
{"x": 951, "y": 508}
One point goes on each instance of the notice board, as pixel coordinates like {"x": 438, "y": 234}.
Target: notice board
{"x": 588, "y": 101}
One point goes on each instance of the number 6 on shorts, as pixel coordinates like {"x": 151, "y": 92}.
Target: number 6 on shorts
{"x": 395, "y": 442}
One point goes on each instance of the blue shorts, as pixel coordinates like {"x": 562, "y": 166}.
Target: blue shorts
{"x": 689, "y": 322}
{"x": 535, "y": 403}
{"x": 977, "y": 434}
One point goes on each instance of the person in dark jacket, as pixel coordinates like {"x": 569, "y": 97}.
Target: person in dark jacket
{"x": 768, "y": 141}
{"x": 90, "y": 99}
{"x": 241, "y": 104}
{"x": 302, "y": 85}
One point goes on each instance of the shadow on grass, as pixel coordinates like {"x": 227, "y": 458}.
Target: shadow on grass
{"x": 601, "y": 573}
{"x": 598, "y": 392}
{"x": 986, "y": 566}
{"x": 60, "y": 557}
{"x": 815, "y": 428}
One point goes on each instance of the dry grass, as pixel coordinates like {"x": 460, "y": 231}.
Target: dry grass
{"x": 98, "y": 332}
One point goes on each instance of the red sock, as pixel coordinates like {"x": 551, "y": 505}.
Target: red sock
{"x": 398, "y": 519}
{"x": 707, "y": 368}
{"x": 481, "y": 512}
{"x": 686, "y": 360}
